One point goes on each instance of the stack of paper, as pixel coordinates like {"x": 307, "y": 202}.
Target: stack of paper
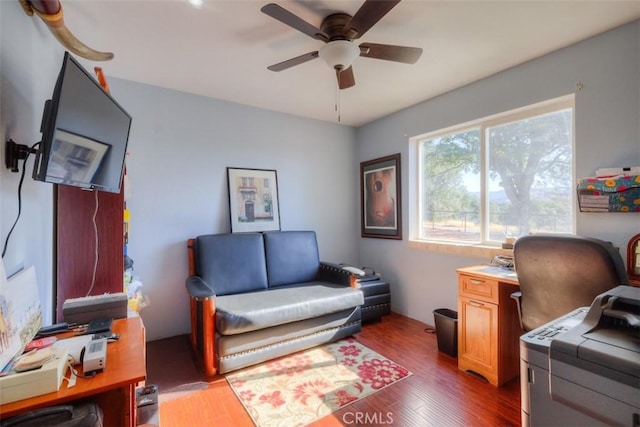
{"x": 611, "y": 172}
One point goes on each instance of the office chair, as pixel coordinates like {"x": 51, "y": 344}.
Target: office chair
{"x": 559, "y": 273}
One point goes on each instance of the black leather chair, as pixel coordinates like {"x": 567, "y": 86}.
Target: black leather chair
{"x": 559, "y": 273}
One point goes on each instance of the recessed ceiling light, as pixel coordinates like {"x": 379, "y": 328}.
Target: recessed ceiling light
{"x": 196, "y": 3}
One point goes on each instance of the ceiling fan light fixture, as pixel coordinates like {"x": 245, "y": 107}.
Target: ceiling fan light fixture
{"x": 339, "y": 54}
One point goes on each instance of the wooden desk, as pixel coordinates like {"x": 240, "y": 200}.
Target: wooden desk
{"x": 488, "y": 324}
{"x": 113, "y": 389}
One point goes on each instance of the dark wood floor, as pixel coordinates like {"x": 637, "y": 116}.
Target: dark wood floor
{"x": 437, "y": 394}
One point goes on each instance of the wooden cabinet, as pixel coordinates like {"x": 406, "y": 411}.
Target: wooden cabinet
{"x": 478, "y": 322}
{"x": 75, "y": 240}
{"x": 488, "y": 325}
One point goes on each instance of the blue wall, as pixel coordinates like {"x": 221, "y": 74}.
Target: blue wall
{"x": 607, "y": 134}
{"x": 181, "y": 145}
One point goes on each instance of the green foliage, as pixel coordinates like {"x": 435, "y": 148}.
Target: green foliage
{"x": 446, "y": 160}
{"x": 530, "y": 159}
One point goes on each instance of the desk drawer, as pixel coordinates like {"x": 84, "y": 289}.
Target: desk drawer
{"x": 477, "y": 287}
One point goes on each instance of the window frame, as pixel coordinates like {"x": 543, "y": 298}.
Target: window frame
{"x": 416, "y": 163}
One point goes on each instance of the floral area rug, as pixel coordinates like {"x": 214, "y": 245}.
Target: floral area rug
{"x": 298, "y": 389}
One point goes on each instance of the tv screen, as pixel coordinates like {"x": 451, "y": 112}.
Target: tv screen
{"x": 84, "y": 133}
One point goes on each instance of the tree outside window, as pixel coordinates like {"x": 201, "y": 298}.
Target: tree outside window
{"x": 510, "y": 175}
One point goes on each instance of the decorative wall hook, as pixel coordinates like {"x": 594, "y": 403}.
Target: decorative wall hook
{"x": 50, "y": 11}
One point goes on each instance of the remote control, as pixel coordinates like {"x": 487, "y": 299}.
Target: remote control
{"x": 52, "y": 329}
{"x": 99, "y": 325}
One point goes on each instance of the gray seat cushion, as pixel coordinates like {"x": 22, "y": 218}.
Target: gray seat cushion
{"x": 238, "y": 351}
{"x": 260, "y": 339}
{"x": 236, "y": 314}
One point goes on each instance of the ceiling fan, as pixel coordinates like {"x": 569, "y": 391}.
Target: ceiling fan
{"x": 338, "y": 31}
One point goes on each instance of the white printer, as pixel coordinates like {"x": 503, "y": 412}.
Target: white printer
{"x": 584, "y": 368}
{"x": 595, "y": 366}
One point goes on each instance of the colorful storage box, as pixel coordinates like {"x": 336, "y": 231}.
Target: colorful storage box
{"x": 613, "y": 194}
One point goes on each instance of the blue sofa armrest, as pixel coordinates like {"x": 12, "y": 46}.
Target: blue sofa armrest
{"x": 334, "y": 273}
{"x": 198, "y": 289}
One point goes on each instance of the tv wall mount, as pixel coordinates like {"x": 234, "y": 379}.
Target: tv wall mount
{"x": 13, "y": 152}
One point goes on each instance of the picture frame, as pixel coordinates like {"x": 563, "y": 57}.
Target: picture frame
{"x": 74, "y": 159}
{"x": 253, "y": 200}
{"x": 380, "y": 198}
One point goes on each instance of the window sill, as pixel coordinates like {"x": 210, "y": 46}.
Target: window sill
{"x": 479, "y": 251}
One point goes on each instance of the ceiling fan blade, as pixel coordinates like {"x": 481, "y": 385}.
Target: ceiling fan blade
{"x": 283, "y": 15}
{"x": 367, "y": 16}
{"x": 293, "y": 61}
{"x": 388, "y": 52}
{"x": 345, "y": 78}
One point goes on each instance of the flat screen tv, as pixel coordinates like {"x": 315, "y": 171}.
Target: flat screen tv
{"x": 84, "y": 133}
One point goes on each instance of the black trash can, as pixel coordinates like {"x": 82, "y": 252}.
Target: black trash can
{"x": 447, "y": 330}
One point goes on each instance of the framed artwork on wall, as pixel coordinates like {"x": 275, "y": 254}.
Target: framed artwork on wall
{"x": 380, "y": 198}
{"x": 253, "y": 200}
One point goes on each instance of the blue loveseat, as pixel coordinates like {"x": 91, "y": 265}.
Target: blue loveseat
{"x": 257, "y": 296}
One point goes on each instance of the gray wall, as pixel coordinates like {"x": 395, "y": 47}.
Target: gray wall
{"x": 180, "y": 147}
{"x": 607, "y": 134}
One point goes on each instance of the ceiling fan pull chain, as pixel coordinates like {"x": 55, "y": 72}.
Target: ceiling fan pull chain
{"x": 338, "y": 98}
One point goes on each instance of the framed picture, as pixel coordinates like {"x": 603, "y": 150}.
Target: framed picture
{"x": 74, "y": 159}
{"x": 253, "y": 200}
{"x": 380, "y": 198}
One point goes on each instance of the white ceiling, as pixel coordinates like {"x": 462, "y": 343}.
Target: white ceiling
{"x": 222, "y": 49}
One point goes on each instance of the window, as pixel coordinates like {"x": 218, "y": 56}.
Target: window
{"x": 507, "y": 175}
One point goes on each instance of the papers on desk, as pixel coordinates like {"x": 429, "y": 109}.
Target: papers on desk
{"x": 499, "y": 271}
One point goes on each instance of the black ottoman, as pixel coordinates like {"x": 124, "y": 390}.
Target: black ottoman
{"x": 377, "y": 299}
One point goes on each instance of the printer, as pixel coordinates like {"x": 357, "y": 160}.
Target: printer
{"x": 584, "y": 367}
{"x": 595, "y": 366}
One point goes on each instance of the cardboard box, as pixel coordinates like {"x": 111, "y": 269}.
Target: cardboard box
{"x": 23, "y": 385}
